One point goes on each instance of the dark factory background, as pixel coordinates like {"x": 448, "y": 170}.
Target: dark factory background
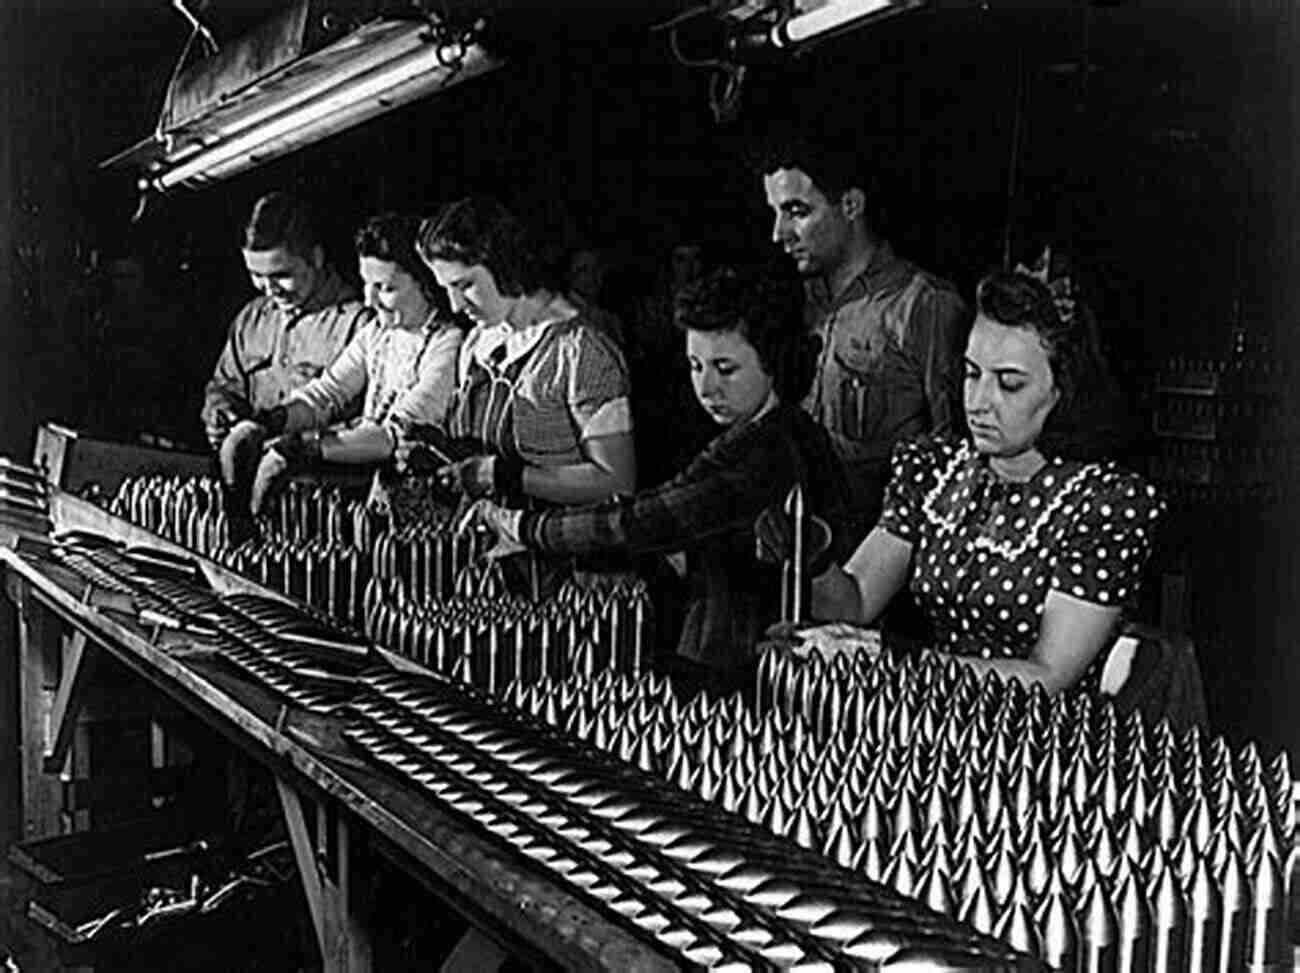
{"x": 1156, "y": 142}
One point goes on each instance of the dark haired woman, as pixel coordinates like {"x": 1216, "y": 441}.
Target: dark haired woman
{"x": 403, "y": 361}
{"x": 743, "y": 343}
{"x": 542, "y": 394}
{"x": 1023, "y": 553}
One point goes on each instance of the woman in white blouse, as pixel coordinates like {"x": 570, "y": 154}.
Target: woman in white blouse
{"x": 403, "y": 362}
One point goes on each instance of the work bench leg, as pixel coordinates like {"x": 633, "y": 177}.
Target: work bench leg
{"x": 40, "y": 651}
{"x": 327, "y": 863}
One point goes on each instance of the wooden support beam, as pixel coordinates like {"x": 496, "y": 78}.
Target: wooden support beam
{"x": 38, "y": 650}
{"x": 326, "y": 862}
{"x": 78, "y": 660}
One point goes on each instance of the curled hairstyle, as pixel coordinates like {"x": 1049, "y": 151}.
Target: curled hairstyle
{"x": 766, "y": 306}
{"x": 282, "y": 220}
{"x": 1075, "y": 427}
{"x": 392, "y": 237}
{"x": 480, "y": 230}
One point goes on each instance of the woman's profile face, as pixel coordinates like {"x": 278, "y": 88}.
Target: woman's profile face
{"x": 472, "y": 291}
{"x": 1009, "y": 389}
{"x": 729, "y": 379}
{"x": 392, "y": 293}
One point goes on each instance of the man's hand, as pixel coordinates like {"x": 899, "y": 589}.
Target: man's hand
{"x": 270, "y": 470}
{"x": 424, "y": 448}
{"x": 473, "y": 476}
{"x": 484, "y": 515}
{"x": 241, "y": 450}
{"x": 828, "y": 640}
{"x": 415, "y": 458}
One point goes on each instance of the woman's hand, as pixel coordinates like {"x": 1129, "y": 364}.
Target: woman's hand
{"x": 414, "y": 457}
{"x": 831, "y": 639}
{"x": 503, "y": 523}
{"x": 473, "y": 476}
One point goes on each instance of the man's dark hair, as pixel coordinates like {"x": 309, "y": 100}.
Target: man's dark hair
{"x": 833, "y": 165}
{"x": 282, "y": 220}
{"x": 480, "y": 230}
{"x": 1083, "y": 424}
{"x": 392, "y": 237}
{"x": 763, "y": 303}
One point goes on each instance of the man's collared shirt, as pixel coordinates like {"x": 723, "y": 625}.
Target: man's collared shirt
{"x": 888, "y": 368}
{"x": 271, "y": 352}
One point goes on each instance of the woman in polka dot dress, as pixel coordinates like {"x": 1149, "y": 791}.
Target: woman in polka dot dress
{"x": 1023, "y": 557}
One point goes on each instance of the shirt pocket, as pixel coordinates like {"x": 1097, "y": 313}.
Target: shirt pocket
{"x": 862, "y": 396}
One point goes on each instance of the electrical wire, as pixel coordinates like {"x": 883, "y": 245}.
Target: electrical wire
{"x": 727, "y": 81}
{"x": 197, "y": 25}
{"x": 689, "y": 14}
{"x": 171, "y": 83}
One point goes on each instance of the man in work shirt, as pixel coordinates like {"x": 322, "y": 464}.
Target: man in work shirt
{"x": 303, "y": 316}
{"x": 890, "y": 332}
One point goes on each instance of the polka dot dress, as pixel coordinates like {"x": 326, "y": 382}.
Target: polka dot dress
{"x": 986, "y": 553}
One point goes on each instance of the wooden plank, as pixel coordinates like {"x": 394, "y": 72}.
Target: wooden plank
{"x": 78, "y": 660}
{"x": 38, "y": 649}
{"x": 328, "y": 878}
{"x": 304, "y": 854}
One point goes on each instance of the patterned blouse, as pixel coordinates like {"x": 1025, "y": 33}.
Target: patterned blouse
{"x": 564, "y": 382}
{"x": 407, "y": 376}
{"x": 986, "y": 553}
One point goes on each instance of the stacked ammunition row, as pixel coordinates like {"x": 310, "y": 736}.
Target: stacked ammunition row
{"x": 1087, "y": 841}
{"x": 420, "y": 590}
{"x": 300, "y": 656}
{"x": 311, "y": 544}
{"x": 487, "y": 638}
{"x": 1090, "y": 840}
{"x": 23, "y": 502}
{"x": 711, "y": 889}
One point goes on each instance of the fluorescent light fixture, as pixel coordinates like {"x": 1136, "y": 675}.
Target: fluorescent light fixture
{"x": 372, "y": 46}
{"x": 270, "y": 132}
{"x": 833, "y": 17}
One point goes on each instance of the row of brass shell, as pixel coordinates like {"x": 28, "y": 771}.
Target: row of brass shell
{"x": 24, "y": 501}
{"x": 491, "y": 641}
{"x": 191, "y": 511}
{"x": 1077, "y": 746}
{"x": 1169, "y": 870}
{"x": 716, "y": 890}
{"x": 302, "y": 656}
{"x": 420, "y": 590}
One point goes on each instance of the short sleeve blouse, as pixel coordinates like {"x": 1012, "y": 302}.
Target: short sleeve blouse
{"x": 986, "y": 553}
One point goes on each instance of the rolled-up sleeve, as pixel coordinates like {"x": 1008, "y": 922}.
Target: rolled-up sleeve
{"x": 428, "y": 400}
{"x": 329, "y": 394}
{"x": 682, "y": 512}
